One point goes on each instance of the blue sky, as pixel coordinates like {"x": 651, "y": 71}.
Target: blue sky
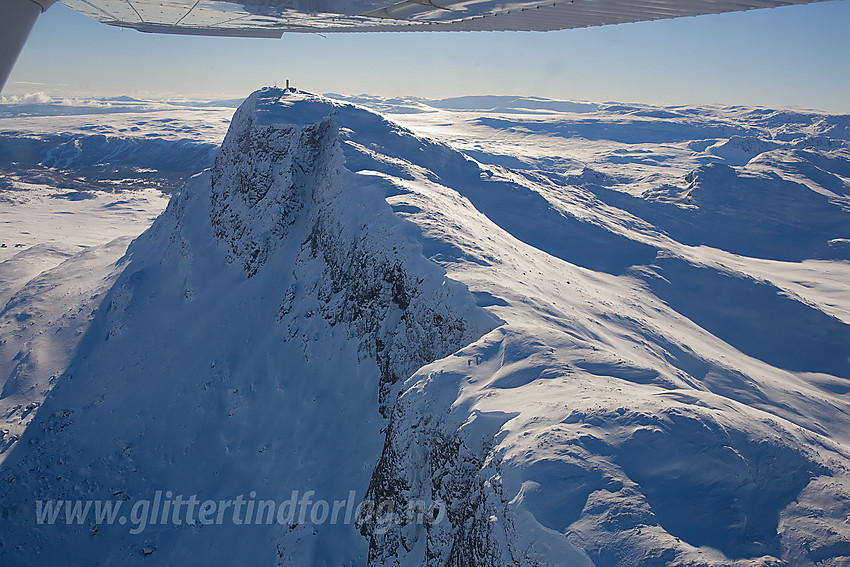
{"x": 791, "y": 56}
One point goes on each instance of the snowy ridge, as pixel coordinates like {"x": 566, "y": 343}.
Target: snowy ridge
{"x": 615, "y": 364}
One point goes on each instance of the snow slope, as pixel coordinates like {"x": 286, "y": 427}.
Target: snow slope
{"x": 78, "y": 181}
{"x": 596, "y": 334}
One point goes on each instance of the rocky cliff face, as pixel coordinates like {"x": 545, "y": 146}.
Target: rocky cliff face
{"x": 266, "y": 176}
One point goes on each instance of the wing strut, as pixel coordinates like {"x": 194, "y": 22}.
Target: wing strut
{"x": 16, "y": 20}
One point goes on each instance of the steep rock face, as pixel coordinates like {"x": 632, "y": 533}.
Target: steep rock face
{"x": 430, "y": 457}
{"x": 260, "y": 181}
{"x": 399, "y": 317}
{"x": 266, "y": 175}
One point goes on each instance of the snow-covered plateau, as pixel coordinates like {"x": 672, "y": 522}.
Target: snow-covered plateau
{"x": 486, "y": 331}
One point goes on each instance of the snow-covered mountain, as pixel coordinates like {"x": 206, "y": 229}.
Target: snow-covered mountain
{"x": 571, "y": 334}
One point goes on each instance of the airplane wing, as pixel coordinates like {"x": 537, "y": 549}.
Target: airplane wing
{"x": 271, "y": 18}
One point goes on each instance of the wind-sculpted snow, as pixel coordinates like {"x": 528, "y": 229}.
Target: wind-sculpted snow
{"x": 522, "y": 332}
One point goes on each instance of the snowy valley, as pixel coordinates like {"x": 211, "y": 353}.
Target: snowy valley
{"x": 573, "y": 333}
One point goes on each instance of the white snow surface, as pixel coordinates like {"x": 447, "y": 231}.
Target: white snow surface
{"x": 601, "y": 334}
